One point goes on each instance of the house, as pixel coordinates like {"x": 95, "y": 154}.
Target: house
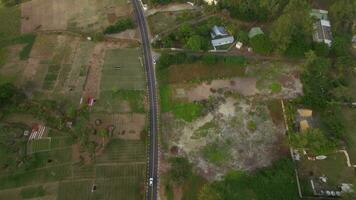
{"x": 321, "y": 26}
{"x": 255, "y": 31}
{"x": 220, "y": 36}
{"x": 304, "y": 119}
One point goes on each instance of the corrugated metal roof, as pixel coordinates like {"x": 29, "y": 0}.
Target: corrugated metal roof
{"x": 222, "y": 41}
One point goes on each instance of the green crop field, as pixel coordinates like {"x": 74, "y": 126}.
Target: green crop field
{"x": 123, "y": 70}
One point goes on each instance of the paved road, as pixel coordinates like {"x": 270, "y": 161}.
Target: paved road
{"x": 153, "y": 141}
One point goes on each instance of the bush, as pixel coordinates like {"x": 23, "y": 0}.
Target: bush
{"x": 121, "y": 25}
{"x": 321, "y": 49}
{"x": 261, "y": 44}
{"x": 272, "y": 183}
{"x": 180, "y": 170}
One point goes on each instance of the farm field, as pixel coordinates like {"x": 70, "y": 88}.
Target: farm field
{"x": 118, "y": 173}
{"x": 123, "y": 84}
{"x": 78, "y": 15}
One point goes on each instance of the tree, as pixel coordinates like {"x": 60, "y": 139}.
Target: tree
{"x": 316, "y": 82}
{"x": 260, "y": 10}
{"x": 321, "y": 49}
{"x": 342, "y": 14}
{"x": 180, "y": 170}
{"x": 196, "y": 43}
{"x": 312, "y": 140}
{"x": 261, "y": 44}
{"x": 292, "y": 30}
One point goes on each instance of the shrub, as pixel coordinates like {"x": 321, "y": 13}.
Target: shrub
{"x": 121, "y": 25}
{"x": 261, "y": 44}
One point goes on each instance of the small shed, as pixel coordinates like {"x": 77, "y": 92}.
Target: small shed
{"x": 304, "y": 125}
{"x": 305, "y": 112}
{"x": 255, "y": 31}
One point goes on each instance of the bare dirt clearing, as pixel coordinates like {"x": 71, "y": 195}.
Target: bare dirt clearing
{"x": 74, "y": 15}
{"x": 244, "y": 127}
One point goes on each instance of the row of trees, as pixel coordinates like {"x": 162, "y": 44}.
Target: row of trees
{"x": 120, "y": 25}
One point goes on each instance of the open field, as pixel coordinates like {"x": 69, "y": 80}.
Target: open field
{"x": 78, "y": 15}
{"x": 10, "y": 21}
{"x": 123, "y": 70}
{"x": 162, "y": 21}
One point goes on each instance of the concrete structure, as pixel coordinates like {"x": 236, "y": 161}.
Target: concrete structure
{"x": 322, "y": 27}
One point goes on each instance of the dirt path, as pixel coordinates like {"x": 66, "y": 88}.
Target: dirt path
{"x": 92, "y": 83}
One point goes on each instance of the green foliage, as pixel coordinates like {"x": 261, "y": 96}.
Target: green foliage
{"x": 192, "y": 36}
{"x": 261, "y": 44}
{"x": 273, "y": 183}
{"x": 12, "y": 146}
{"x": 121, "y": 25}
{"x": 197, "y": 43}
{"x": 332, "y": 122}
{"x": 180, "y": 170}
{"x": 275, "y": 87}
{"x": 7, "y": 92}
{"x": 313, "y": 140}
{"x": 340, "y": 46}
{"x": 292, "y": 36}
{"x": 32, "y": 192}
{"x": 10, "y": 2}
{"x": 321, "y": 49}
{"x": 251, "y": 125}
{"x": 187, "y": 111}
{"x": 342, "y": 14}
{"x": 192, "y": 187}
{"x": 216, "y": 153}
{"x": 316, "y": 83}
{"x": 258, "y": 10}
{"x": 242, "y": 36}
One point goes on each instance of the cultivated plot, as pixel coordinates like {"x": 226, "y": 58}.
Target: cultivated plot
{"x": 77, "y": 15}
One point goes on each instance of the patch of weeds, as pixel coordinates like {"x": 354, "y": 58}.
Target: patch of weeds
{"x": 29, "y": 40}
{"x": 168, "y": 191}
{"x": 204, "y": 130}
{"x": 83, "y": 70}
{"x": 51, "y": 76}
{"x": 251, "y": 125}
{"x": 182, "y": 110}
{"x": 31, "y": 192}
{"x": 216, "y": 153}
{"x": 135, "y": 99}
{"x": 275, "y": 87}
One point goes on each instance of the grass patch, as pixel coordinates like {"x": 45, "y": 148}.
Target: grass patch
{"x": 275, "y": 87}
{"x": 192, "y": 187}
{"x": 123, "y": 70}
{"x": 204, "y": 130}
{"x": 10, "y": 18}
{"x": 112, "y": 101}
{"x": 32, "y": 192}
{"x": 51, "y": 76}
{"x": 182, "y": 110}
{"x": 216, "y": 153}
{"x": 334, "y": 167}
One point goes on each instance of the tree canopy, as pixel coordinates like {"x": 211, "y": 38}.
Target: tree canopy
{"x": 291, "y": 32}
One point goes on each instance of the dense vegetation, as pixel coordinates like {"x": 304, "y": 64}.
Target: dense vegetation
{"x": 120, "y": 25}
{"x": 258, "y": 10}
{"x": 273, "y": 183}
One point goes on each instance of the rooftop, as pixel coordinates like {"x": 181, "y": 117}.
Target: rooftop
{"x": 255, "y": 31}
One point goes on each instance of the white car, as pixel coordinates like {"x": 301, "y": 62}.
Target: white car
{"x": 154, "y": 60}
{"x": 151, "y": 182}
